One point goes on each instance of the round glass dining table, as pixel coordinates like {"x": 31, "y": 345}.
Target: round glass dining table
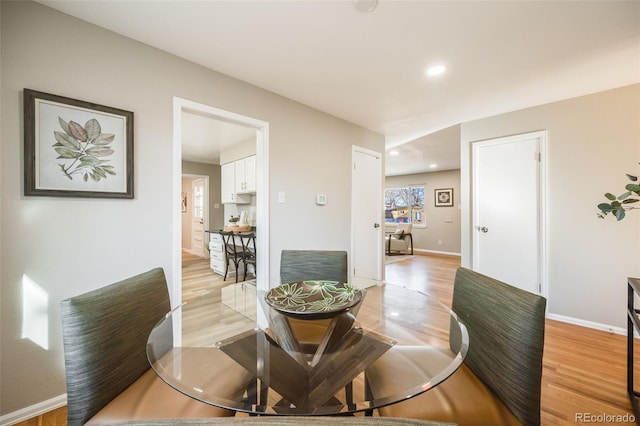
{"x": 234, "y": 348}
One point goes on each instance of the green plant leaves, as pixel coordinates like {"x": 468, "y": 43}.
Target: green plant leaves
{"x": 605, "y": 207}
{"x": 633, "y": 187}
{"x": 86, "y": 146}
{"x": 620, "y": 204}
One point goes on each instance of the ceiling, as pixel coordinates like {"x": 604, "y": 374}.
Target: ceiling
{"x": 369, "y": 68}
{"x": 203, "y": 137}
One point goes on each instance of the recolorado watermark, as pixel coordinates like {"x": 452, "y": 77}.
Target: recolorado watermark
{"x": 604, "y": 418}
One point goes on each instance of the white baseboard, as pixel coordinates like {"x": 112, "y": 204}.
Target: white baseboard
{"x": 438, "y": 252}
{"x": 194, "y": 253}
{"x": 364, "y": 282}
{"x": 34, "y": 410}
{"x": 589, "y": 324}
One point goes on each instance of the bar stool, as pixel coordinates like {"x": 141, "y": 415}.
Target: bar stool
{"x": 248, "y": 241}
{"x": 232, "y": 253}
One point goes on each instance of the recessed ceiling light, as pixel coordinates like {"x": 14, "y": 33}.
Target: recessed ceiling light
{"x": 436, "y": 70}
{"x": 433, "y": 166}
{"x": 393, "y": 153}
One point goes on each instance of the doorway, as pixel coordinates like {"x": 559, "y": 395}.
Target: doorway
{"x": 508, "y": 234}
{"x": 262, "y": 179}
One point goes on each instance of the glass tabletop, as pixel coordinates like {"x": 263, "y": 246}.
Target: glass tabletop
{"x": 230, "y": 348}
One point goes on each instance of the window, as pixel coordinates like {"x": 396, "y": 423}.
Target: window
{"x": 404, "y": 205}
{"x": 198, "y": 200}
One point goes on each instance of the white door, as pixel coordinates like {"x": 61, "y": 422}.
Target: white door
{"x": 366, "y": 217}
{"x": 507, "y": 215}
{"x": 198, "y": 217}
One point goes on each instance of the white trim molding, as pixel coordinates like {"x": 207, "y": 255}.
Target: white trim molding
{"x": 34, "y": 410}
{"x": 588, "y": 324}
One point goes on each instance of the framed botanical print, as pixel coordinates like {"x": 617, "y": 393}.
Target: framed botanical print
{"x": 75, "y": 148}
{"x": 444, "y": 197}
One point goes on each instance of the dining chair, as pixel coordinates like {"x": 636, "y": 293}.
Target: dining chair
{"x": 306, "y": 265}
{"x": 499, "y": 382}
{"x": 108, "y": 375}
{"x": 301, "y": 265}
{"x": 248, "y": 241}
{"x": 232, "y": 253}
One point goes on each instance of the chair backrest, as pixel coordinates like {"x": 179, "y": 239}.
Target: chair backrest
{"x": 229, "y": 241}
{"x": 248, "y": 241}
{"x": 105, "y": 335}
{"x": 506, "y": 339}
{"x": 301, "y": 265}
{"x": 405, "y": 227}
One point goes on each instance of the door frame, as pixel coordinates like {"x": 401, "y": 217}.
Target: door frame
{"x": 542, "y": 137}
{"x": 363, "y": 282}
{"x": 262, "y": 189}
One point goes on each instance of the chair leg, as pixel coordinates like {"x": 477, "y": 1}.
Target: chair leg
{"x": 226, "y": 269}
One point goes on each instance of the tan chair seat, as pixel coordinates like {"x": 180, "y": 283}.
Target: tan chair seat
{"x": 151, "y": 398}
{"x": 462, "y": 399}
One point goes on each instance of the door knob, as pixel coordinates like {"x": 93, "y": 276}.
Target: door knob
{"x": 376, "y": 225}
{"x": 484, "y": 229}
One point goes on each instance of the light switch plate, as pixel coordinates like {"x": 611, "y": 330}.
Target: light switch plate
{"x": 321, "y": 200}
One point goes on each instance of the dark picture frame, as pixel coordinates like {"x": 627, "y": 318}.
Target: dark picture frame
{"x": 74, "y": 148}
{"x": 444, "y": 197}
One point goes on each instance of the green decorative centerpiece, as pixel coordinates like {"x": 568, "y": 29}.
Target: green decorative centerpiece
{"x": 313, "y": 299}
{"x": 618, "y": 206}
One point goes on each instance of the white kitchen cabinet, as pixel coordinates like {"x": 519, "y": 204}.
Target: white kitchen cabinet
{"x": 228, "y": 183}
{"x": 217, "y": 259}
{"x": 245, "y": 175}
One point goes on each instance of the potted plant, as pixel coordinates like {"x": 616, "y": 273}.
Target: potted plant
{"x": 618, "y": 206}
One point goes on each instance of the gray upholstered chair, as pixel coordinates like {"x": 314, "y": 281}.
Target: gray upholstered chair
{"x": 499, "y": 381}
{"x": 300, "y": 265}
{"x": 108, "y": 375}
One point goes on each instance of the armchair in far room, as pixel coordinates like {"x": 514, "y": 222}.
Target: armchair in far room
{"x": 401, "y": 240}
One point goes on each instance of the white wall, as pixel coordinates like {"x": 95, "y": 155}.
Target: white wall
{"x": 593, "y": 141}
{"x": 69, "y": 246}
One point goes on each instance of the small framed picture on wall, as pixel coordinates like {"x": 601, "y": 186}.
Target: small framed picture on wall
{"x": 444, "y": 197}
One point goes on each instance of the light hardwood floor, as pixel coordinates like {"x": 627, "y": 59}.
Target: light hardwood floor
{"x": 584, "y": 370}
